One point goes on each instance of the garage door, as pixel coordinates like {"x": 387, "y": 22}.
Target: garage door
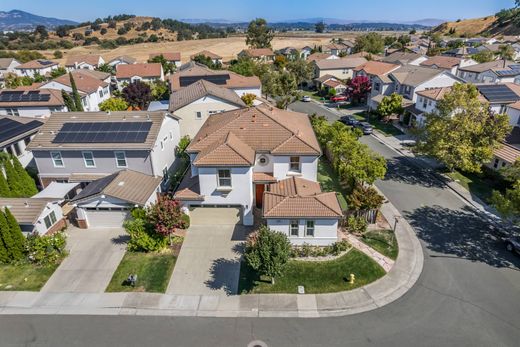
{"x": 106, "y": 219}
{"x": 215, "y": 215}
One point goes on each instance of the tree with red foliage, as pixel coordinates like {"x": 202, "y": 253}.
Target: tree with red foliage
{"x": 359, "y": 87}
{"x": 138, "y": 95}
{"x": 166, "y": 215}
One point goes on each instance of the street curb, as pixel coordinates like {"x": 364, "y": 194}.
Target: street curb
{"x": 401, "y": 278}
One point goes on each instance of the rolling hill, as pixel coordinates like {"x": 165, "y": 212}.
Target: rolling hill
{"x": 16, "y": 20}
{"x": 490, "y": 25}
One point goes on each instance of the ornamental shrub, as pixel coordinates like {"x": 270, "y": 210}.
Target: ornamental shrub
{"x": 46, "y": 249}
{"x": 143, "y": 237}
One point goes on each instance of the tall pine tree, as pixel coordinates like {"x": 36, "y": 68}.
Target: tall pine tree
{"x": 75, "y": 94}
{"x": 28, "y": 184}
{"x": 16, "y": 235}
{"x": 14, "y": 182}
{"x": 4, "y": 254}
{"x": 9, "y": 243}
{"x": 68, "y": 101}
{"x": 5, "y": 192}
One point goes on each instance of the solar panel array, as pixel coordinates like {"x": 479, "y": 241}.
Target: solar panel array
{"x": 9, "y": 128}
{"x": 45, "y": 62}
{"x": 21, "y": 96}
{"x": 509, "y": 72}
{"x": 498, "y": 93}
{"x": 220, "y": 79}
{"x": 103, "y": 132}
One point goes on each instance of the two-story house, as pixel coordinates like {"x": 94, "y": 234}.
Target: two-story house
{"x": 15, "y": 134}
{"x": 86, "y": 61}
{"x": 404, "y": 58}
{"x": 93, "y": 90}
{"x": 171, "y": 57}
{"x": 32, "y": 68}
{"x": 31, "y": 103}
{"x": 122, "y": 59}
{"x": 215, "y": 58}
{"x": 450, "y": 64}
{"x": 511, "y": 74}
{"x": 7, "y": 66}
{"x": 476, "y": 73}
{"x": 258, "y": 54}
{"x": 84, "y": 146}
{"x": 237, "y": 155}
{"x": 343, "y": 47}
{"x": 147, "y": 72}
{"x": 321, "y": 56}
{"x": 340, "y": 68}
{"x": 500, "y": 96}
{"x": 200, "y": 100}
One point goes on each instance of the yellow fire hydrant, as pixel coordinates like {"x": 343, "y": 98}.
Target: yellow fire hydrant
{"x": 352, "y": 278}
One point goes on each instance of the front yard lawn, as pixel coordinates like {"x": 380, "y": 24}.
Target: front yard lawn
{"x": 329, "y": 181}
{"x": 315, "y": 276}
{"x": 383, "y": 241}
{"x": 386, "y": 128}
{"x": 153, "y": 272}
{"x": 313, "y": 95}
{"x": 479, "y": 185}
{"x": 25, "y": 277}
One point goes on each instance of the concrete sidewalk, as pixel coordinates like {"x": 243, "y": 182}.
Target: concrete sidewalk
{"x": 396, "y": 283}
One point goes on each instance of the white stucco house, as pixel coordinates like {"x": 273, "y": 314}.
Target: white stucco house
{"x": 86, "y": 61}
{"x": 405, "y": 58}
{"x": 146, "y": 72}
{"x": 35, "y": 215}
{"x": 122, "y": 59}
{"x": 342, "y": 68}
{"x": 450, "y": 64}
{"x": 198, "y": 101}
{"x": 237, "y": 155}
{"x": 171, "y": 57}
{"x": 513, "y": 111}
{"x": 7, "y": 66}
{"x": 31, "y": 103}
{"x": 486, "y": 72}
{"x": 35, "y": 67}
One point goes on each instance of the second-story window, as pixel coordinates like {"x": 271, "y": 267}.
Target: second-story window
{"x": 57, "y": 160}
{"x": 224, "y": 178}
{"x": 120, "y": 158}
{"x": 88, "y": 158}
{"x": 294, "y": 164}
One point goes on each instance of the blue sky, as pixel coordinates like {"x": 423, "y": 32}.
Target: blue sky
{"x": 273, "y": 10}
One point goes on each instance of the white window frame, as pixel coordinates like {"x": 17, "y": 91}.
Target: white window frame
{"x": 307, "y": 228}
{"x": 292, "y": 222}
{"x": 117, "y": 159}
{"x": 220, "y": 184}
{"x": 49, "y": 220}
{"x": 54, "y": 159}
{"x": 198, "y": 115}
{"x": 14, "y": 112}
{"x": 291, "y": 163}
{"x": 85, "y": 160}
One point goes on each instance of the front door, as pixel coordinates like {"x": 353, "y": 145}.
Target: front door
{"x": 259, "y": 195}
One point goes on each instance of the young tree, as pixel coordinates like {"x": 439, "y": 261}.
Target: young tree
{"x": 371, "y": 43}
{"x": 508, "y": 203}
{"x": 14, "y": 182}
{"x": 364, "y": 198}
{"x": 138, "y": 94}
{"x": 320, "y": 27}
{"x": 11, "y": 243}
{"x": 16, "y": 235}
{"x": 359, "y": 86}
{"x": 114, "y": 104}
{"x": 205, "y": 60}
{"x": 259, "y": 34}
{"x": 58, "y": 54}
{"x": 285, "y": 88}
{"x": 5, "y": 242}
{"x": 268, "y": 252}
{"x": 243, "y": 66}
{"x": 160, "y": 90}
{"x": 28, "y": 185}
{"x": 464, "y": 132}
{"x": 67, "y": 99}
{"x": 78, "y": 106}
{"x": 390, "y": 105}
{"x": 506, "y": 52}
{"x": 60, "y": 71}
{"x": 166, "y": 216}
{"x": 5, "y": 192}
{"x": 248, "y": 99}
{"x": 105, "y": 68}
{"x": 483, "y": 57}
{"x": 301, "y": 69}
{"x": 167, "y": 66}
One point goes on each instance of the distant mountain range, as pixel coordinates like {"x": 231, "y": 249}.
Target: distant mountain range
{"x": 17, "y": 20}
{"x": 332, "y": 21}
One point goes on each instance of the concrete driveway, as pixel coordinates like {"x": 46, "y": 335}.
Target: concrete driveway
{"x": 209, "y": 260}
{"x": 94, "y": 255}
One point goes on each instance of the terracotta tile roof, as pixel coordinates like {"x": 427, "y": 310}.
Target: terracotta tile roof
{"x": 434, "y": 93}
{"x": 100, "y": 75}
{"x": 55, "y": 98}
{"x": 325, "y": 78}
{"x": 258, "y": 52}
{"x": 363, "y": 54}
{"x": 497, "y": 64}
{"x": 414, "y": 75}
{"x": 37, "y": 64}
{"x": 44, "y": 138}
{"x": 199, "y": 89}
{"x": 377, "y": 68}
{"x": 126, "y": 58}
{"x": 263, "y": 128}
{"x": 401, "y": 57}
{"x": 189, "y": 189}
{"x": 442, "y": 62}
{"x": 516, "y": 105}
{"x": 263, "y": 177}
{"x": 298, "y": 197}
{"x": 333, "y": 83}
{"x": 514, "y": 87}
{"x": 84, "y": 82}
{"x": 233, "y": 80}
{"x": 92, "y": 59}
{"x": 343, "y": 63}
{"x": 319, "y": 56}
{"x": 206, "y": 54}
{"x": 5, "y": 62}
{"x": 226, "y": 151}
{"x": 142, "y": 70}
{"x": 172, "y": 56}
{"x": 507, "y": 153}
{"x": 25, "y": 210}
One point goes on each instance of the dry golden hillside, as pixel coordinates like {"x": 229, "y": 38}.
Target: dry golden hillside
{"x": 476, "y": 26}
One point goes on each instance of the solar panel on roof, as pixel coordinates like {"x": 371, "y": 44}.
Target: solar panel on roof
{"x": 220, "y": 79}
{"x": 19, "y": 96}
{"x": 10, "y": 128}
{"x": 103, "y": 132}
{"x": 498, "y": 93}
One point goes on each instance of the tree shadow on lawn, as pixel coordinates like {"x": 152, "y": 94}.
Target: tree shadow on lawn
{"x": 400, "y": 169}
{"x": 120, "y": 240}
{"x": 460, "y": 233}
{"x": 224, "y": 275}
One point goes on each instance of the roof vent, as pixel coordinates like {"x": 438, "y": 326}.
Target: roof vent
{"x": 26, "y": 204}
{"x": 148, "y": 117}
{"x": 122, "y": 183}
{"x": 108, "y": 113}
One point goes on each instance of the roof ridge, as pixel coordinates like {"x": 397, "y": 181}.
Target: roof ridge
{"x": 284, "y": 198}
{"x": 317, "y": 197}
{"x": 234, "y": 150}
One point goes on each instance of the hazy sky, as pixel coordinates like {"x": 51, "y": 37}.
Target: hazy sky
{"x": 273, "y": 10}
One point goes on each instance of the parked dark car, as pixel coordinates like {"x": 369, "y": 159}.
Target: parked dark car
{"x": 513, "y": 244}
{"x": 349, "y": 120}
{"x": 365, "y": 127}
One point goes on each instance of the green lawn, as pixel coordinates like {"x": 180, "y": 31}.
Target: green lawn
{"x": 383, "y": 241}
{"x": 153, "y": 272}
{"x": 14, "y": 276}
{"x": 313, "y": 95}
{"x": 329, "y": 181}
{"x": 386, "y": 128}
{"x": 316, "y": 277}
{"x": 478, "y": 184}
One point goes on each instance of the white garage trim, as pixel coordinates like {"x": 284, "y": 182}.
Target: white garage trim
{"x": 215, "y": 214}
{"x": 106, "y": 218}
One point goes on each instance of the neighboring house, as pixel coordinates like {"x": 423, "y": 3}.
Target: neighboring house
{"x": 513, "y": 111}
{"x": 87, "y": 61}
{"x": 192, "y": 72}
{"x": 93, "y": 91}
{"x": 7, "y": 66}
{"x": 215, "y": 58}
{"x": 121, "y": 60}
{"x": 15, "y": 134}
{"x": 485, "y": 72}
{"x": 500, "y": 96}
{"x": 236, "y": 154}
{"x": 504, "y": 156}
{"x": 258, "y": 54}
{"x": 372, "y": 69}
{"x": 426, "y": 103}
{"x": 107, "y": 202}
{"x": 145, "y": 72}
{"x": 450, "y": 64}
{"x": 338, "y": 86}
{"x": 321, "y": 81}
{"x": 172, "y": 57}
{"x": 404, "y": 58}
{"x": 290, "y": 53}
{"x": 343, "y": 47}
{"x": 340, "y": 68}
{"x": 200, "y": 100}
{"x": 305, "y": 52}
{"x": 31, "y": 103}
{"x": 464, "y": 52}
{"x": 34, "y": 67}
{"x": 478, "y": 41}
{"x": 511, "y": 74}
{"x": 299, "y": 209}
{"x": 321, "y": 56}
{"x": 36, "y": 215}
{"x": 84, "y": 146}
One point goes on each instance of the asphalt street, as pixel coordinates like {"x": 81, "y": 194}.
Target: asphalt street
{"x": 467, "y": 295}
